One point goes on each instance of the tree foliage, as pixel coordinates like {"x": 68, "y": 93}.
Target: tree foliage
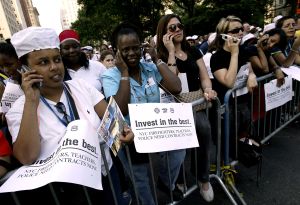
{"x": 97, "y": 18}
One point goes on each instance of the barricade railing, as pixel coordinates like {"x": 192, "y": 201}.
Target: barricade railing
{"x": 13, "y": 198}
{"x": 264, "y": 124}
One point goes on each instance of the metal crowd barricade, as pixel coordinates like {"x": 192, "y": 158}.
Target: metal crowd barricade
{"x": 266, "y": 124}
{"x": 218, "y": 175}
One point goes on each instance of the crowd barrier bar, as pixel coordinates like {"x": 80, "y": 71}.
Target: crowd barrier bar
{"x": 217, "y": 175}
{"x": 271, "y": 124}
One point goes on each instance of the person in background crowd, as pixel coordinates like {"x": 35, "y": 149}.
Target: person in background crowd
{"x": 28, "y": 119}
{"x": 190, "y": 40}
{"x": 246, "y": 27}
{"x": 128, "y": 82}
{"x": 103, "y": 47}
{"x": 9, "y": 63}
{"x": 88, "y": 50}
{"x": 229, "y": 61}
{"x": 259, "y": 51}
{"x": 107, "y": 58}
{"x": 183, "y": 58}
{"x": 76, "y": 63}
{"x": 290, "y": 55}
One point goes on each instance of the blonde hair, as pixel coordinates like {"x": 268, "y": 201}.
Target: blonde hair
{"x": 223, "y": 27}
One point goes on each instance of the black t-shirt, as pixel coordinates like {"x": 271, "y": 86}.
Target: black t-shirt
{"x": 190, "y": 67}
{"x": 220, "y": 60}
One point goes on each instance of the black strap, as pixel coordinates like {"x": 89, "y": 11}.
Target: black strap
{"x": 72, "y": 102}
{"x": 5, "y": 164}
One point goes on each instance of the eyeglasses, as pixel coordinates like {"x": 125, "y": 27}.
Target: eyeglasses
{"x": 135, "y": 49}
{"x": 173, "y": 27}
{"x": 236, "y": 30}
{"x": 60, "y": 107}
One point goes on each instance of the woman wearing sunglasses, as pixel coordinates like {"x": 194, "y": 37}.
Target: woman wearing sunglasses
{"x": 173, "y": 48}
{"x": 229, "y": 63}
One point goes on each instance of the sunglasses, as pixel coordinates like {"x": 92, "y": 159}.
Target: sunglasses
{"x": 236, "y": 30}
{"x": 173, "y": 27}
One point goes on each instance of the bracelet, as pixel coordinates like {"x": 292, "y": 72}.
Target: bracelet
{"x": 170, "y": 64}
{"x": 293, "y": 50}
{"x": 124, "y": 78}
{"x": 159, "y": 62}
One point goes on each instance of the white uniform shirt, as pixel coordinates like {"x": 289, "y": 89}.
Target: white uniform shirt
{"x": 91, "y": 74}
{"x": 51, "y": 130}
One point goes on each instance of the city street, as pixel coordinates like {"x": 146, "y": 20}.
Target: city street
{"x": 280, "y": 179}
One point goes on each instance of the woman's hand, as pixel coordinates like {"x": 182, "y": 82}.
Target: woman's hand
{"x": 262, "y": 42}
{"x": 251, "y": 82}
{"x": 152, "y": 52}
{"x": 210, "y": 94}
{"x": 233, "y": 45}
{"x": 168, "y": 42}
{"x": 279, "y": 76}
{"x": 30, "y": 85}
{"x": 127, "y": 135}
{"x": 120, "y": 63}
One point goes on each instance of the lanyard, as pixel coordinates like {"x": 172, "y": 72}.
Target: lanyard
{"x": 69, "y": 105}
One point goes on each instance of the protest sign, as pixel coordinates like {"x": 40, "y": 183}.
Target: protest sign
{"x": 241, "y": 78}
{"x": 292, "y": 71}
{"x": 75, "y": 160}
{"x": 11, "y": 93}
{"x": 277, "y": 96}
{"x": 162, "y": 126}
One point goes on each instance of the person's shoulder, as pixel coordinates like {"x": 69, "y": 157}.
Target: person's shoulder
{"x": 111, "y": 72}
{"x": 96, "y": 65}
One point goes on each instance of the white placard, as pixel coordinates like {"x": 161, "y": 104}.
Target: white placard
{"x": 162, "y": 126}
{"x": 11, "y": 93}
{"x": 77, "y": 159}
{"x": 277, "y": 96}
{"x": 292, "y": 71}
{"x": 242, "y": 78}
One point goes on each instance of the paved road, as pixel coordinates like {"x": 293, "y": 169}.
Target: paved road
{"x": 280, "y": 180}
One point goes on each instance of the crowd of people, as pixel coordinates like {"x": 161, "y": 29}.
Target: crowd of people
{"x": 66, "y": 79}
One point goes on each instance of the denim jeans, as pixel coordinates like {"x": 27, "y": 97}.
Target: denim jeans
{"x": 141, "y": 173}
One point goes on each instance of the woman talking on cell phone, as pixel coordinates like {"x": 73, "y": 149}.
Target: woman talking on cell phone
{"x": 173, "y": 48}
{"x": 228, "y": 62}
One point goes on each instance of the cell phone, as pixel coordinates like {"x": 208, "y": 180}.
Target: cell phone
{"x": 264, "y": 42}
{"x": 24, "y": 69}
{"x": 226, "y": 37}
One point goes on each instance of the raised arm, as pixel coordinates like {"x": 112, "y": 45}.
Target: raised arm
{"x": 27, "y": 146}
{"x": 227, "y": 76}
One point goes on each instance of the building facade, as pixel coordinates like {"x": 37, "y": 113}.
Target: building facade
{"x": 9, "y": 18}
{"x": 68, "y": 13}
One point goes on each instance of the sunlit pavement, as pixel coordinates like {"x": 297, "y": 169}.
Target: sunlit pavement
{"x": 280, "y": 180}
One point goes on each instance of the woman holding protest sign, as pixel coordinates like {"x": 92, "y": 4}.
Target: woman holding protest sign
{"x": 48, "y": 99}
{"x": 132, "y": 81}
{"x": 186, "y": 60}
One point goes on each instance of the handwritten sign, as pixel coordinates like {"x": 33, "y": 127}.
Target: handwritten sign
{"x": 292, "y": 71}
{"x": 11, "y": 93}
{"x": 277, "y": 96}
{"x": 78, "y": 152}
{"x": 242, "y": 78}
{"x": 162, "y": 126}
